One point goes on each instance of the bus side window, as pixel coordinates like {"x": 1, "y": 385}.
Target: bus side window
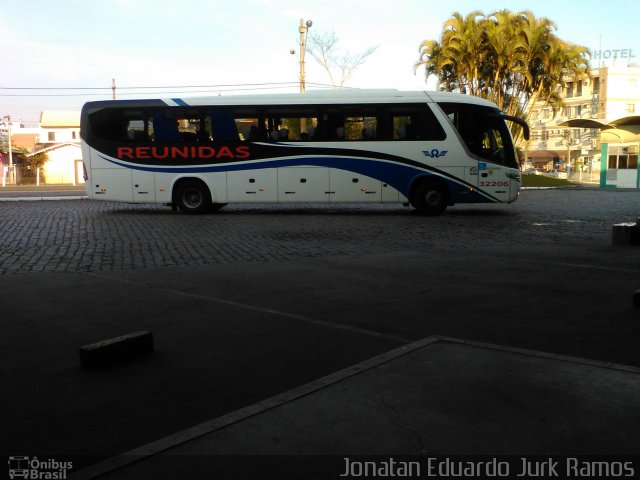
{"x": 350, "y": 124}
{"x": 164, "y": 129}
{"x": 189, "y": 126}
{"x": 249, "y": 128}
{"x": 416, "y": 123}
{"x": 224, "y": 126}
{"x": 403, "y": 128}
{"x": 291, "y": 123}
{"x": 136, "y": 131}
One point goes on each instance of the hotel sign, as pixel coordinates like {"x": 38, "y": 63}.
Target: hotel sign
{"x": 612, "y": 54}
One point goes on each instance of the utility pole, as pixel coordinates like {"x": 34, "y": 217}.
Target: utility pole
{"x": 8, "y": 118}
{"x": 568, "y": 141}
{"x": 113, "y": 88}
{"x": 10, "y": 146}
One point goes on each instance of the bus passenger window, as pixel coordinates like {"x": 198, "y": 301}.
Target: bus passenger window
{"x": 175, "y": 126}
{"x": 349, "y": 124}
{"x": 291, "y": 124}
{"x": 165, "y": 129}
{"x": 403, "y": 128}
{"x": 415, "y": 122}
{"x": 188, "y": 129}
{"x": 223, "y": 127}
{"x": 252, "y": 133}
{"x": 135, "y": 131}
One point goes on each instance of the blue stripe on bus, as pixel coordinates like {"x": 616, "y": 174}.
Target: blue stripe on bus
{"x": 398, "y": 176}
{"x": 180, "y": 102}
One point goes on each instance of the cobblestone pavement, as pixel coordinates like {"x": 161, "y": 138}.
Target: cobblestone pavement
{"x": 254, "y": 300}
{"x": 84, "y": 235}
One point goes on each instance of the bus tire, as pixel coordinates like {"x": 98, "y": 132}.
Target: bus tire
{"x": 193, "y": 197}
{"x": 430, "y": 197}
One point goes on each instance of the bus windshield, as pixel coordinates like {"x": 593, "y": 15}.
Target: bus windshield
{"x": 483, "y": 131}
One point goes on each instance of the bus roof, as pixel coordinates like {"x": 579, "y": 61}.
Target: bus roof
{"x": 312, "y": 97}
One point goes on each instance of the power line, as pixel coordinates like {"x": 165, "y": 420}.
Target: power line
{"x": 154, "y": 86}
{"x": 179, "y": 89}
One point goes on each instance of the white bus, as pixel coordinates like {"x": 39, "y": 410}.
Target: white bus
{"x": 427, "y": 149}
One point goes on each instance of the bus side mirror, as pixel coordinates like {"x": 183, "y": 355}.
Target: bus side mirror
{"x": 522, "y": 123}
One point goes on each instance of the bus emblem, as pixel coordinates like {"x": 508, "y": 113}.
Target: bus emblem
{"x": 435, "y": 153}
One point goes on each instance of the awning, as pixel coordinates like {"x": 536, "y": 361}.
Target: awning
{"x": 627, "y": 121}
{"x": 545, "y": 154}
{"x": 585, "y": 123}
{"x": 633, "y": 120}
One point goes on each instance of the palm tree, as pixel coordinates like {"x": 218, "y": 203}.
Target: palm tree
{"x": 463, "y": 48}
{"x": 506, "y": 57}
{"x": 512, "y": 59}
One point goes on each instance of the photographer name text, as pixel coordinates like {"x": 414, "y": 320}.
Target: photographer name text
{"x": 442, "y": 467}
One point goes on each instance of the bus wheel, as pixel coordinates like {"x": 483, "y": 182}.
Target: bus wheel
{"x": 430, "y": 198}
{"x": 193, "y": 197}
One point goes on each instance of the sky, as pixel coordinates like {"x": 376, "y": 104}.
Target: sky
{"x": 58, "y": 55}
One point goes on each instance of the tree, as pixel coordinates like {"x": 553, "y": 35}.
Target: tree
{"x": 340, "y": 66}
{"x": 512, "y": 59}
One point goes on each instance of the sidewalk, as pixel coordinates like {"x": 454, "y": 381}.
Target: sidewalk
{"x": 41, "y": 192}
{"x": 436, "y": 396}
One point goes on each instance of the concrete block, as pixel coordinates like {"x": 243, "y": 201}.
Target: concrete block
{"x": 626, "y": 234}
{"x": 636, "y": 298}
{"x": 107, "y": 352}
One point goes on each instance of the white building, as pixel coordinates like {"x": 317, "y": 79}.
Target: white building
{"x": 574, "y": 133}
{"x": 59, "y": 127}
{"x": 59, "y": 138}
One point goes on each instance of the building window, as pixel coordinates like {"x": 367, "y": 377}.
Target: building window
{"x": 52, "y": 136}
{"x": 569, "y": 89}
{"x": 630, "y": 108}
{"x": 596, "y": 85}
{"x": 579, "y": 89}
{"x": 623, "y": 157}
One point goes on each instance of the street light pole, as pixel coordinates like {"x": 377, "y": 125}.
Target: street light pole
{"x": 303, "y": 29}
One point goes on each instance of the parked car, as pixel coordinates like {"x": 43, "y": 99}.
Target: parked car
{"x": 532, "y": 171}
{"x": 555, "y": 173}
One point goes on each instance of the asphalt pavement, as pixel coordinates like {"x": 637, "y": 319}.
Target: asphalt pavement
{"x": 307, "y": 339}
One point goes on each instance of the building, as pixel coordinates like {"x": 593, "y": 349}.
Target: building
{"x": 572, "y": 140}
{"x": 63, "y": 165}
{"x": 59, "y": 127}
{"x": 59, "y": 138}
